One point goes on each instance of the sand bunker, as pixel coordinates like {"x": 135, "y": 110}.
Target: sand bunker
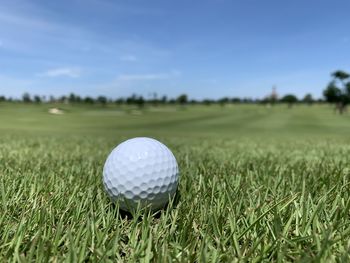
{"x": 55, "y": 111}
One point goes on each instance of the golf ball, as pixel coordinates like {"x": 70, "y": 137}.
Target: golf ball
{"x": 141, "y": 171}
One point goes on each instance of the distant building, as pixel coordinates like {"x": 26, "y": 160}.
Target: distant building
{"x": 274, "y": 95}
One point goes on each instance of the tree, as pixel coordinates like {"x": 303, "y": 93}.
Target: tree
{"x": 88, "y": 100}
{"x": 347, "y": 88}
{"x": 37, "y": 99}
{"x": 308, "y": 99}
{"x": 164, "y": 99}
{"x": 140, "y": 102}
{"x": 63, "y": 99}
{"x": 2, "y": 98}
{"x": 332, "y": 93}
{"x": 207, "y": 102}
{"x": 223, "y": 101}
{"x": 247, "y": 100}
{"x": 182, "y": 99}
{"x": 72, "y": 98}
{"x": 338, "y": 90}
{"x": 26, "y": 98}
{"x": 102, "y": 100}
{"x": 236, "y": 100}
{"x": 290, "y": 99}
{"x": 131, "y": 99}
{"x": 341, "y": 75}
{"x": 119, "y": 101}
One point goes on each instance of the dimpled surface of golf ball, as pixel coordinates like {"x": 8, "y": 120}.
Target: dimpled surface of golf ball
{"x": 141, "y": 171}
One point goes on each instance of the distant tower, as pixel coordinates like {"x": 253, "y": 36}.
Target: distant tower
{"x": 274, "y": 95}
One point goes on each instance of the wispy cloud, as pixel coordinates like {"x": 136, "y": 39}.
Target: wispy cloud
{"x": 131, "y": 77}
{"x": 150, "y": 76}
{"x": 25, "y": 21}
{"x": 129, "y": 58}
{"x": 123, "y": 8}
{"x": 62, "y": 72}
{"x": 31, "y": 28}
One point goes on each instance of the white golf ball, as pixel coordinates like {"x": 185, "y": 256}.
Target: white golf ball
{"x": 141, "y": 171}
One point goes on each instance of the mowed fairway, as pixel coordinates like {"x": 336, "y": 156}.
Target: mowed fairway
{"x": 257, "y": 184}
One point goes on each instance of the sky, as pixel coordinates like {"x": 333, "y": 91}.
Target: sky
{"x": 204, "y": 48}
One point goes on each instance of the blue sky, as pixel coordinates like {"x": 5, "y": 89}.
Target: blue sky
{"x": 207, "y": 49}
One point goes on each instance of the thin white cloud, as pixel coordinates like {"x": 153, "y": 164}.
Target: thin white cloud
{"x": 129, "y": 58}
{"x": 122, "y": 8}
{"x": 151, "y": 76}
{"x": 62, "y": 72}
{"x": 25, "y": 21}
{"x": 131, "y": 77}
{"x": 29, "y": 28}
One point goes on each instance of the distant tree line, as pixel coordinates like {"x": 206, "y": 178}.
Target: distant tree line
{"x": 336, "y": 93}
{"x": 140, "y": 101}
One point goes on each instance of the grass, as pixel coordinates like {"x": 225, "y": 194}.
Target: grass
{"x": 257, "y": 184}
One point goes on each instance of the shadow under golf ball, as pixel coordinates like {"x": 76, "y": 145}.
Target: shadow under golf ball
{"x": 140, "y": 212}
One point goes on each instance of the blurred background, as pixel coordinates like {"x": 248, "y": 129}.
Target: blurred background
{"x": 158, "y": 67}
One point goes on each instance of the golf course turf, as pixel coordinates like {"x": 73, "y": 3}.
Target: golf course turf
{"x": 257, "y": 184}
